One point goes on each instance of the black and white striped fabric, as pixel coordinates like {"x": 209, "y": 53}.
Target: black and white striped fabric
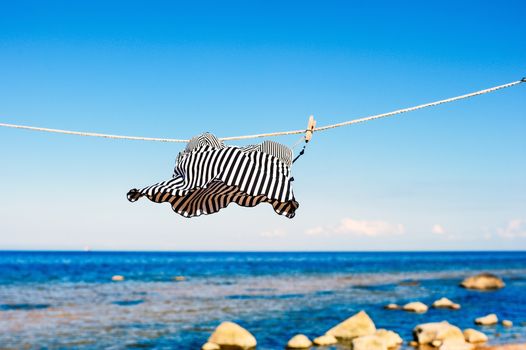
{"x": 209, "y": 175}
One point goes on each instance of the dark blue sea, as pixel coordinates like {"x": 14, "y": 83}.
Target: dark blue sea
{"x": 64, "y": 300}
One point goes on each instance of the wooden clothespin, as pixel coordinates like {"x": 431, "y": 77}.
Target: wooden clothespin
{"x": 310, "y": 129}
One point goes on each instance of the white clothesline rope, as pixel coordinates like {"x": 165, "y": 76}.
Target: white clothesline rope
{"x": 280, "y": 133}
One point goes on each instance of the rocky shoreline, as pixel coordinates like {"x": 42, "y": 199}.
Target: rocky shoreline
{"x": 359, "y": 331}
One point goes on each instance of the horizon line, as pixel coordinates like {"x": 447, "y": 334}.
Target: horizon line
{"x": 259, "y": 251}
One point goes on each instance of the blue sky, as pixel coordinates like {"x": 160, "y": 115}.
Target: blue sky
{"x": 451, "y": 177}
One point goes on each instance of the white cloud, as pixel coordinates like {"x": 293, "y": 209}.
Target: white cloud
{"x": 438, "y": 229}
{"x": 368, "y": 228}
{"x": 318, "y": 230}
{"x": 275, "y": 233}
{"x": 514, "y": 229}
{"x": 359, "y": 228}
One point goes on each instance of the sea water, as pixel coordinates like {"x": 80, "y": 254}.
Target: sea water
{"x": 62, "y": 300}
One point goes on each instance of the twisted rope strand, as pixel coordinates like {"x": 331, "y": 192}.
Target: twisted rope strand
{"x": 93, "y": 134}
{"x": 410, "y": 109}
{"x": 272, "y": 134}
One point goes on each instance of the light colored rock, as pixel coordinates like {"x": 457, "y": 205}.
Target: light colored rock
{"x": 179, "y": 278}
{"x": 487, "y": 320}
{"x": 507, "y": 323}
{"x": 444, "y": 331}
{"x": 210, "y": 346}
{"x": 445, "y": 303}
{"x": 483, "y": 281}
{"x": 392, "y": 307}
{"x": 299, "y": 341}
{"x": 368, "y": 342}
{"x": 390, "y": 338}
{"x": 448, "y": 345}
{"x": 436, "y": 343}
{"x": 415, "y": 306}
{"x": 233, "y": 335}
{"x": 117, "y": 278}
{"x": 357, "y": 325}
{"x": 473, "y": 336}
{"x": 413, "y": 343}
{"x": 455, "y": 307}
{"x": 325, "y": 340}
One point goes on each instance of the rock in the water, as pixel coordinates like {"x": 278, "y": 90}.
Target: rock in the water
{"x": 483, "y": 281}
{"x": 368, "y": 342}
{"x": 415, "y": 306}
{"x": 392, "y": 307}
{"x": 232, "y": 335}
{"x": 355, "y": 326}
{"x": 325, "y": 340}
{"x": 473, "y": 336}
{"x": 299, "y": 341}
{"x": 507, "y": 323}
{"x": 487, "y": 320}
{"x": 445, "y": 303}
{"x": 436, "y": 343}
{"x": 443, "y": 331}
{"x": 179, "y": 278}
{"x": 117, "y": 278}
{"x": 210, "y": 346}
{"x": 447, "y": 345}
{"x": 409, "y": 283}
{"x": 390, "y": 338}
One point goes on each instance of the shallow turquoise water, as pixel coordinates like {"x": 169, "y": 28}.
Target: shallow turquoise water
{"x": 67, "y": 299}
